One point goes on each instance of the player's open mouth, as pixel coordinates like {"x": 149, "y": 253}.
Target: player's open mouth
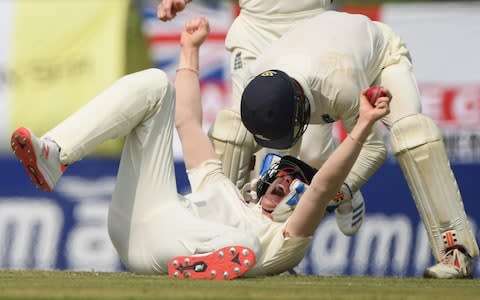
{"x": 279, "y": 190}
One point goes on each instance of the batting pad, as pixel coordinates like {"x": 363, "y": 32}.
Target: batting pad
{"x": 418, "y": 146}
{"x": 234, "y": 146}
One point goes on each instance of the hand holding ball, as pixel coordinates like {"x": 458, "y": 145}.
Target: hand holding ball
{"x": 375, "y": 92}
{"x": 375, "y": 102}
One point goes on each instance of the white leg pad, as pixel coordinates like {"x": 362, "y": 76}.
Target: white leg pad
{"x": 234, "y": 146}
{"x": 418, "y": 146}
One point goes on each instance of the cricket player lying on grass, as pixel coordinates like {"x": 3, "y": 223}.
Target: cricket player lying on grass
{"x": 211, "y": 233}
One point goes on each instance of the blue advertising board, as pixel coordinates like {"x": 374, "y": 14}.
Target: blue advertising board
{"x": 67, "y": 229}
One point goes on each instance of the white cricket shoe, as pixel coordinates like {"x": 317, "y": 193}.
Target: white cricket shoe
{"x": 40, "y": 157}
{"x": 350, "y": 214}
{"x": 456, "y": 263}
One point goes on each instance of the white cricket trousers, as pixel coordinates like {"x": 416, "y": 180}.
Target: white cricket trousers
{"x": 148, "y": 222}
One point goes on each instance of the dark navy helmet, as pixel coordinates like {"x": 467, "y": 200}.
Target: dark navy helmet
{"x": 275, "y": 110}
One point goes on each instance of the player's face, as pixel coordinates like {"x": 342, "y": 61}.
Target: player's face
{"x": 279, "y": 188}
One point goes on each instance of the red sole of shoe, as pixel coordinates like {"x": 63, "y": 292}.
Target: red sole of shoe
{"x": 223, "y": 264}
{"x": 22, "y": 147}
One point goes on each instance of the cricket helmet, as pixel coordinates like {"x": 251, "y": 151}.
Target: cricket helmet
{"x": 275, "y": 110}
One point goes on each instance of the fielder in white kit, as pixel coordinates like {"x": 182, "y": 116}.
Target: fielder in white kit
{"x": 211, "y": 233}
{"x": 259, "y": 23}
{"x": 318, "y": 74}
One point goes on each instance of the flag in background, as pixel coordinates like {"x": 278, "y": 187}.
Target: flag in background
{"x": 56, "y": 55}
{"x": 164, "y": 41}
{"x": 438, "y": 36}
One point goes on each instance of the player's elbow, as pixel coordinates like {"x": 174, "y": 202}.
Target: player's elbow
{"x": 185, "y": 118}
{"x": 186, "y": 126}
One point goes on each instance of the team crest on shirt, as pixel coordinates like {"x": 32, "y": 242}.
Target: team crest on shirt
{"x": 237, "y": 63}
{"x": 268, "y": 73}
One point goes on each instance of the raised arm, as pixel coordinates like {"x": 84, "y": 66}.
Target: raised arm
{"x": 329, "y": 178}
{"x": 188, "y": 115}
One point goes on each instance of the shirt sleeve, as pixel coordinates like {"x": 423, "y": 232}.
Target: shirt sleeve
{"x": 208, "y": 172}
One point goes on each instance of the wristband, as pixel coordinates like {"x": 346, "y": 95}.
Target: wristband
{"x": 355, "y": 140}
{"x": 187, "y": 69}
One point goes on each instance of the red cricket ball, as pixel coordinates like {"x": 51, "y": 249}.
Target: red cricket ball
{"x": 373, "y": 93}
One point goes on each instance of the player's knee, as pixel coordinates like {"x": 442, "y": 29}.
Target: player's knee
{"x": 150, "y": 82}
{"x": 155, "y": 82}
{"x": 413, "y": 131}
{"x": 154, "y": 76}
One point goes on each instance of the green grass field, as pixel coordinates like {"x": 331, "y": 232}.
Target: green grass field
{"x": 93, "y": 285}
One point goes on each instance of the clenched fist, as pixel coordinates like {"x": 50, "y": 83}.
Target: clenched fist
{"x": 195, "y": 32}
